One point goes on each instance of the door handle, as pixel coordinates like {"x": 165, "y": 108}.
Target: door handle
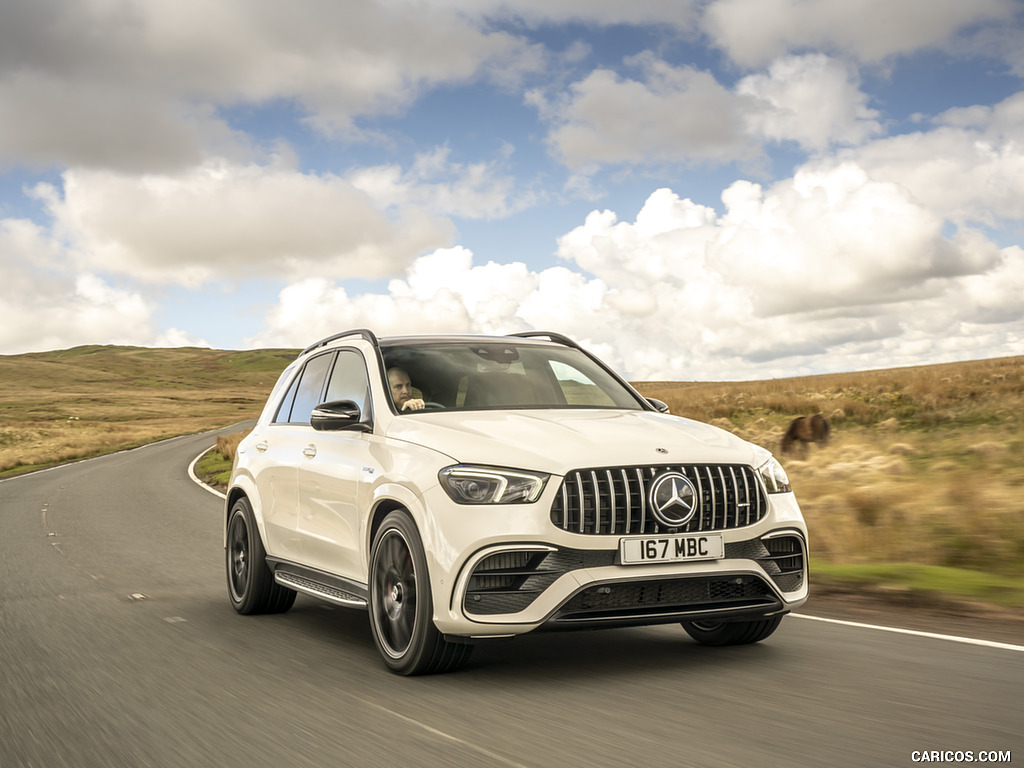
{"x": 309, "y": 451}
{"x": 262, "y": 446}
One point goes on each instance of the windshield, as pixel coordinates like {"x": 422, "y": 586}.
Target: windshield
{"x": 472, "y": 376}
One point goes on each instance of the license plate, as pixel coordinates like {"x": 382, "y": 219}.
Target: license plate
{"x": 668, "y": 549}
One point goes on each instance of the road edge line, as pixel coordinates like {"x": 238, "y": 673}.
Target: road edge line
{"x": 915, "y": 632}
{"x": 195, "y": 477}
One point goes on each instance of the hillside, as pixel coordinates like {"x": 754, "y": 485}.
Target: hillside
{"x": 922, "y": 469}
{"x": 69, "y": 404}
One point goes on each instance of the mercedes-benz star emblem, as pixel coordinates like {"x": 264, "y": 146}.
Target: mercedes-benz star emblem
{"x": 673, "y": 499}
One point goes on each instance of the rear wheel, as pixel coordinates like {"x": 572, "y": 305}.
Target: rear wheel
{"x": 251, "y": 585}
{"x": 731, "y": 632}
{"x": 400, "y": 603}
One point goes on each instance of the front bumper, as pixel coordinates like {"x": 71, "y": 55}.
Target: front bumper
{"x": 550, "y": 579}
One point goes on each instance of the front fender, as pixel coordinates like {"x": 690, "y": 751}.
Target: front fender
{"x": 390, "y": 495}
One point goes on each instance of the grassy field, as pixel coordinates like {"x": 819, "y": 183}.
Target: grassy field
{"x": 72, "y": 404}
{"x": 923, "y": 469}
{"x": 920, "y": 487}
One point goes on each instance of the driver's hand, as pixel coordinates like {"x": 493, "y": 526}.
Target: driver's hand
{"x": 413, "y": 405}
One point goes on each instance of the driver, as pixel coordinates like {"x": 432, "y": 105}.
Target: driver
{"x": 401, "y": 391}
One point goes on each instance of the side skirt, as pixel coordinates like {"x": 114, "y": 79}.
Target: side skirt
{"x": 333, "y": 589}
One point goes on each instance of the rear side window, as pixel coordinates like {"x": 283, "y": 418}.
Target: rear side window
{"x": 306, "y": 391}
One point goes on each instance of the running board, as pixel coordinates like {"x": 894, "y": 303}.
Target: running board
{"x": 316, "y": 589}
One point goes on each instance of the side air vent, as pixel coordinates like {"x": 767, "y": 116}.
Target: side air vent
{"x": 508, "y": 582}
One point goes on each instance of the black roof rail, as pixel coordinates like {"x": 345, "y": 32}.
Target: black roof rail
{"x": 560, "y": 338}
{"x": 361, "y": 332}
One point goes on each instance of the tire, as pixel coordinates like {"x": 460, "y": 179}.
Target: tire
{"x": 251, "y": 585}
{"x": 401, "y": 609}
{"x": 731, "y": 632}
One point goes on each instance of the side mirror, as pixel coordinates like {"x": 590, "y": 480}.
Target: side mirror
{"x": 338, "y": 415}
{"x": 659, "y": 406}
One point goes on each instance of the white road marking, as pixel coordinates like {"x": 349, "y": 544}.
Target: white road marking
{"x": 442, "y": 734}
{"x": 195, "y": 478}
{"x": 918, "y": 633}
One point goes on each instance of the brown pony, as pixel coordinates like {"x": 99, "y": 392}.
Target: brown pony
{"x": 806, "y": 429}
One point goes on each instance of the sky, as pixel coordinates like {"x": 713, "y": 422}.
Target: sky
{"x": 695, "y": 190}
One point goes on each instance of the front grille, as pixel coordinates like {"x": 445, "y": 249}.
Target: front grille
{"x": 613, "y": 501}
{"x": 666, "y": 597}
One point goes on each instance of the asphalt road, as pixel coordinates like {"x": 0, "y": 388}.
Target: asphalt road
{"x": 118, "y": 648}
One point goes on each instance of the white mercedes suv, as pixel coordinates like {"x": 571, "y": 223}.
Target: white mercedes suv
{"x": 467, "y": 487}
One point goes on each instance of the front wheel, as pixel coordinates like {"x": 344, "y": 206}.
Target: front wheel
{"x": 251, "y": 585}
{"x": 731, "y": 632}
{"x": 400, "y": 603}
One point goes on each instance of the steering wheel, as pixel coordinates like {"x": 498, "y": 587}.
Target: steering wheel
{"x": 430, "y": 405}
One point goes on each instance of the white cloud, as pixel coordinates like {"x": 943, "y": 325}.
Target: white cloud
{"x": 441, "y": 293}
{"x": 994, "y": 298}
{"x": 877, "y": 250}
{"x": 42, "y": 307}
{"x": 436, "y": 184}
{"x": 814, "y": 274}
{"x": 830, "y": 237}
{"x": 136, "y": 85}
{"x": 673, "y": 114}
{"x": 678, "y": 13}
{"x": 175, "y": 337}
{"x": 222, "y": 220}
{"x": 968, "y": 169}
{"x": 682, "y": 115}
{"x": 813, "y": 100}
{"x": 45, "y": 121}
{"x": 754, "y": 32}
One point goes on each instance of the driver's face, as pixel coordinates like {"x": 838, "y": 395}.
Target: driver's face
{"x": 401, "y": 386}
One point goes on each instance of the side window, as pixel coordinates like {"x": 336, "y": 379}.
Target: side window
{"x": 348, "y": 380}
{"x": 577, "y": 388}
{"x": 283, "y": 410}
{"x": 308, "y": 390}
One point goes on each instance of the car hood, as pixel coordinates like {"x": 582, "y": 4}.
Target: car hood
{"x": 558, "y": 441}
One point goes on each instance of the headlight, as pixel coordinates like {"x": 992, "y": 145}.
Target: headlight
{"x": 774, "y": 476}
{"x": 489, "y": 485}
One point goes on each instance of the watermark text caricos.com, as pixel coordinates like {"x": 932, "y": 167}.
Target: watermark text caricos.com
{"x": 960, "y": 756}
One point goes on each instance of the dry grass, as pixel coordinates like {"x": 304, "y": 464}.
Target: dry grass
{"x": 71, "y": 404}
{"x": 923, "y": 465}
{"x": 227, "y": 445}
{"x": 215, "y": 467}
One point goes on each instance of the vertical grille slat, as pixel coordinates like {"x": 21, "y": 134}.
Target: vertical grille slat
{"x": 565, "y": 506}
{"x": 735, "y": 505}
{"x": 629, "y": 507}
{"x": 580, "y": 503}
{"x": 700, "y": 493}
{"x": 746, "y": 498}
{"x": 613, "y": 500}
{"x": 643, "y": 500}
{"x": 714, "y": 502}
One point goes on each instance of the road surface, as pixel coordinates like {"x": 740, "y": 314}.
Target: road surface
{"x": 119, "y": 648}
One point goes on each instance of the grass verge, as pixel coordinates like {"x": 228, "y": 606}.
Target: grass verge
{"x": 214, "y": 469}
{"x": 928, "y": 584}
